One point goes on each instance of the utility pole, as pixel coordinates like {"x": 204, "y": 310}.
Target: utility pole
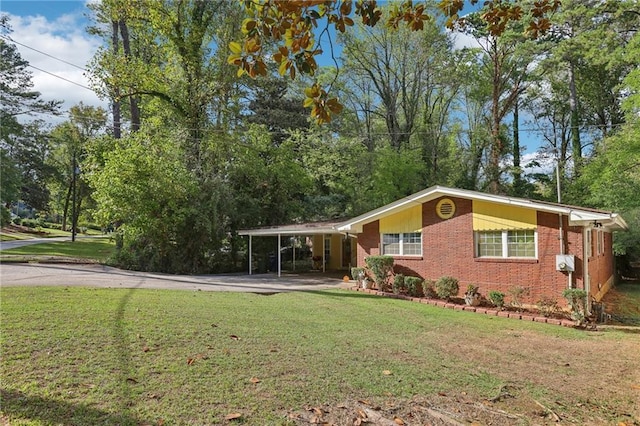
{"x": 73, "y": 199}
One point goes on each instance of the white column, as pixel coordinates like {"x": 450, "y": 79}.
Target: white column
{"x": 279, "y": 255}
{"x": 250, "y": 256}
{"x": 293, "y": 251}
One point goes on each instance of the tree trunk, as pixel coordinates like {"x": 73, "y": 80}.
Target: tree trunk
{"x": 133, "y": 100}
{"x": 576, "y": 146}
{"x": 115, "y": 102}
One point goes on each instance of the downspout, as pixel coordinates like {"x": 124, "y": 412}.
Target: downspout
{"x": 561, "y": 227}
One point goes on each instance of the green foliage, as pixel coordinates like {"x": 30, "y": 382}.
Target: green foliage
{"x": 428, "y": 289}
{"x": 5, "y": 216}
{"x": 414, "y": 286}
{"x": 398, "y": 283}
{"x": 496, "y": 297}
{"x": 380, "y": 267}
{"x": 446, "y": 287}
{"x": 577, "y": 300}
{"x": 355, "y": 273}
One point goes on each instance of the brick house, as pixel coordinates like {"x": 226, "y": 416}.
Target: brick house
{"x": 495, "y": 242}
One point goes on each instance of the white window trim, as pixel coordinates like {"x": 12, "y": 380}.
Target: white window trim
{"x": 505, "y": 245}
{"x": 401, "y": 245}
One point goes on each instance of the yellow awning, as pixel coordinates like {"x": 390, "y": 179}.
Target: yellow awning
{"x": 492, "y": 217}
{"x": 408, "y": 220}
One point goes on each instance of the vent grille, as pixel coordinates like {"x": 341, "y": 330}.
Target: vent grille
{"x": 445, "y": 208}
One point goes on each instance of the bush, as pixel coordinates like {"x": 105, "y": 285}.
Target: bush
{"x": 5, "y": 216}
{"x": 398, "y": 283}
{"x": 517, "y": 293}
{"x": 428, "y": 289}
{"x": 17, "y": 221}
{"x": 380, "y": 267}
{"x": 355, "y": 273}
{"x": 446, "y": 287}
{"x": 577, "y": 299}
{"x": 496, "y": 297}
{"x": 547, "y": 306}
{"x": 413, "y": 285}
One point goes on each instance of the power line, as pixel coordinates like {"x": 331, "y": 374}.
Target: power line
{"x": 61, "y": 78}
{"x": 44, "y": 53}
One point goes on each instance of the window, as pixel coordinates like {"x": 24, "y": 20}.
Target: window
{"x": 588, "y": 244}
{"x": 600, "y": 242}
{"x": 327, "y": 248}
{"x": 406, "y": 244}
{"x": 514, "y": 243}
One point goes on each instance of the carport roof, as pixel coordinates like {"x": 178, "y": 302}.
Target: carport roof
{"x": 312, "y": 228}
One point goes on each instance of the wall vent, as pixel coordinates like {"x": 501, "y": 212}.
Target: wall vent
{"x": 445, "y": 208}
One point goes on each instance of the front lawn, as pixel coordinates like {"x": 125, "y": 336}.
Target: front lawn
{"x": 97, "y": 249}
{"x": 87, "y": 356}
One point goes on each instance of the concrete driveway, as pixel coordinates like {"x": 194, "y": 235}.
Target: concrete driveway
{"x": 42, "y": 274}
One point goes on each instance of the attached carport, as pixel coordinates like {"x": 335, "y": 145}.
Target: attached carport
{"x": 296, "y": 230}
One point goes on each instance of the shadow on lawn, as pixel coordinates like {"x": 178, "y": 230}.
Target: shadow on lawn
{"x": 49, "y": 411}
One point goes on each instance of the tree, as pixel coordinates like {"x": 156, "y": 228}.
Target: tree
{"x": 23, "y": 144}
{"x": 291, "y": 26}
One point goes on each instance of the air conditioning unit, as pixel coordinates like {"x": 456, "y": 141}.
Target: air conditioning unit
{"x": 565, "y": 262}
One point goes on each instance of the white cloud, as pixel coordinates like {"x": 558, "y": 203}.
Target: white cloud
{"x": 63, "y": 38}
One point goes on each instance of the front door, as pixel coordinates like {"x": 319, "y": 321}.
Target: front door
{"x": 346, "y": 252}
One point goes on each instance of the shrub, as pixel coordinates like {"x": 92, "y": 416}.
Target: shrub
{"x": 398, "y": 283}
{"x": 413, "y": 285}
{"x": 446, "y": 287}
{"x": 17, "y": 221}
{"x": 517, "y": 293}
{"x": 496, "y": 297}
{"x": 428, "y": 289}
{"x": 5, "y": 216}
{"x": 355, "y": 273}
{"x": 380, "y": 267}
{"x": 547, "y": 306}
{"x": 577, "y": 299}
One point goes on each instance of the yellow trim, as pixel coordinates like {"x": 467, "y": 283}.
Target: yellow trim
{"x": 492, "y": 216}
{"x": 408, "y": 220}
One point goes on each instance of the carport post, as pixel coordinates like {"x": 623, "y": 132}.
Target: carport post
{"x": 279, "y": 256}
{"x": 324, "y": 253}
{"x": 293, "y": 260}
{"x": 250, "y": 259}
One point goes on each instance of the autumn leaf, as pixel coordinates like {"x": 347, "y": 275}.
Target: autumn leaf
{"x": 255, "y": 380}
{"x": 387, "y": 372}
{"x": 233, "y": 416}
{"x": 234, "y": 337}
{"x": 398, "y": 421}
{"x": 235, "y": 47}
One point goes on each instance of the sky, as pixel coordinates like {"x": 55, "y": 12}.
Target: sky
{"x": 51, "y": 35}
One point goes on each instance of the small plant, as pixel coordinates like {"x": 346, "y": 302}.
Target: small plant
{"x": 446, "y": 287}
{"x": 577, "y": 299}
{"x": 355, "y": 273}
{"x": 398, "y": 283}
{"x": 472, "y": 295}
{"x": 548, "y": 306}
{"x": 428, "y": 289}
{"x": 497, "y": 298}
{"x": 380, "y": 267}
{"x": 518, "y": 293}
{"x": 413, "y": 285}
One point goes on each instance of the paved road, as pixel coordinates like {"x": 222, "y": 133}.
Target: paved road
{"x": 42, "y": 274}
{"x": 6, "y": 245}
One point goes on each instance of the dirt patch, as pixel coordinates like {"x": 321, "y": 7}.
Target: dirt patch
{"x": 439, "y": 410}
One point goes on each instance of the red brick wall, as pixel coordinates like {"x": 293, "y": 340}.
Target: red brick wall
{"x": 448, "y": 249}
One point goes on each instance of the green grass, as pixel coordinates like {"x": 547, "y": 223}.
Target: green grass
{"x": 98, "y": 249}
{"x": 88, "y": 356}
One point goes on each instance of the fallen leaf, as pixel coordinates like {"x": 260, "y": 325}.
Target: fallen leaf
{"x": 214, "y": 325}
{"x": 255, "y": 380}
{"x": 364, "y": 401}
{"x": 362, "y": 414}
{"x": 398, "y": 421}
{"x": 635, "y": 386}
{"x": 132, "y": 380}
{"x": 160, "y": 422}
{"x": 233, "y": 416}
{"x": 145, "y": 349}
{"x": 442, "y": 394}
{"x": 387, "y": 372}
{"x": 234, "y": 337}
{"x": 190, "y": 361}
